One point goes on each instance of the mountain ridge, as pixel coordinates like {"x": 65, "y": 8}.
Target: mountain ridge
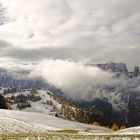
{"x": 120, "y": 101}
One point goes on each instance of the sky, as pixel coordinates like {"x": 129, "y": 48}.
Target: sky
{"x": 89, "y": 31}
{"x": 55, "y": 38}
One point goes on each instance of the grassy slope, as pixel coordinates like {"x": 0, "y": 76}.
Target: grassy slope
{"x": 68, "y": 136}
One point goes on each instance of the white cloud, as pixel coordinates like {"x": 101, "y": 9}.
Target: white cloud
{"x": 34, "y": 22}
{"x": 14, "y": 64}
{"x": 91, "y": 29}
{"x": 77, "y": 80}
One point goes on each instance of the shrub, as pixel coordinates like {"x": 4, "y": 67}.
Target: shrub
{"x": 96, "y": 123}
{"x": 115, "y": 127}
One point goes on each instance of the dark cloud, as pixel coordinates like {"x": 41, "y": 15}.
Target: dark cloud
{"x": 4, "y": 44}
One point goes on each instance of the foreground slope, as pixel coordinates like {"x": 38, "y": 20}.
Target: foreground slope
{"x": 19, "y": 121}
{"x": 131, "y": 130}
{"x": 20, "y": 125}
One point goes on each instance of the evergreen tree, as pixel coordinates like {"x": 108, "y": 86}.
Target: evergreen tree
{"x": 3, "y": 104}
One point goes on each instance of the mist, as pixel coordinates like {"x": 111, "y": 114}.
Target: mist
{"x": 78, "y": 81}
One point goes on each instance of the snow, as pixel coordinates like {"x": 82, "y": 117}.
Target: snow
{"x": 12, "y": 125}
{"x": 38, "y": 106}
{"x": 20, "y": 121}
{"x": 131, "y": 130}
{"x": 38, "y": 118}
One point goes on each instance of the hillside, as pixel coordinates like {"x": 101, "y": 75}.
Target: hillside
{"x": 20, "y": 125}
{"x": 119, "y": 97}
{"x": 19, "y": 121}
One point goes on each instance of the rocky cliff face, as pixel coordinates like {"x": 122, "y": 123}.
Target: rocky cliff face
{"x": 118, "y": 68}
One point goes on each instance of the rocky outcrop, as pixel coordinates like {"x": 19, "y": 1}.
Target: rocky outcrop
{"x": 118, "y": 68}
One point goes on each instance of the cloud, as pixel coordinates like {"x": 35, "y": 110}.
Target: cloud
{"x": 66, "y": 33}
{"x": 3, "y": 44}
{"x": 14, "y": 64}
{"x": 34, "y": 25}
{"x": 80, "y": 82}
{"x": 96, "y": 30}
{"x": 76, "y": 80}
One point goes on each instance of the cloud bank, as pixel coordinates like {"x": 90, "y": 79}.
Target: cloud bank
{"x": 76, "y": 80}
{"x": 94, "y": 30}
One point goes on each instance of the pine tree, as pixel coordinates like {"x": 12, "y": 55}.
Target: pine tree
{"x": 3, "y": 104}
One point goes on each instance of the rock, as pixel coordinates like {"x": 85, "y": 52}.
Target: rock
{"x": 118, "y": 68}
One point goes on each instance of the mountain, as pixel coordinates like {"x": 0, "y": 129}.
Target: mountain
{"x": 115, "y": 102}
{"x": 118, "y": 68}
{"x": 120, "y": 101}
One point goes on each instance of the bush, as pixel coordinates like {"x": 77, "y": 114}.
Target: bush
{"x": 23, "y": 105}
{"x": 115, "y": 127}
{"x": 96, "y": 123}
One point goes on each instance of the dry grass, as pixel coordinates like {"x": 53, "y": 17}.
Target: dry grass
{"x": 65, "y": 135}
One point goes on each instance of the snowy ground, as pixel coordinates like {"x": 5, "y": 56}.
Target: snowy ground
{"x": 131, "y": 130}
{"x": 20, "y": 121}
{"x": 38, "y": 120}
{"x": 38, "y": 106}
{"x": 37, "y": 126}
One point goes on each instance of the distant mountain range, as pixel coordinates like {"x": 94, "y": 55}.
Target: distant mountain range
{"x": 19, "y": 80}
{"x": 114, "y": 103}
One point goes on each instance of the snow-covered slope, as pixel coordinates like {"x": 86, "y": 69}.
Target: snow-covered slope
{"x": 41, "y": 105}
{"x": 20, "y": 121}
{"x": 131, "y": 130}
